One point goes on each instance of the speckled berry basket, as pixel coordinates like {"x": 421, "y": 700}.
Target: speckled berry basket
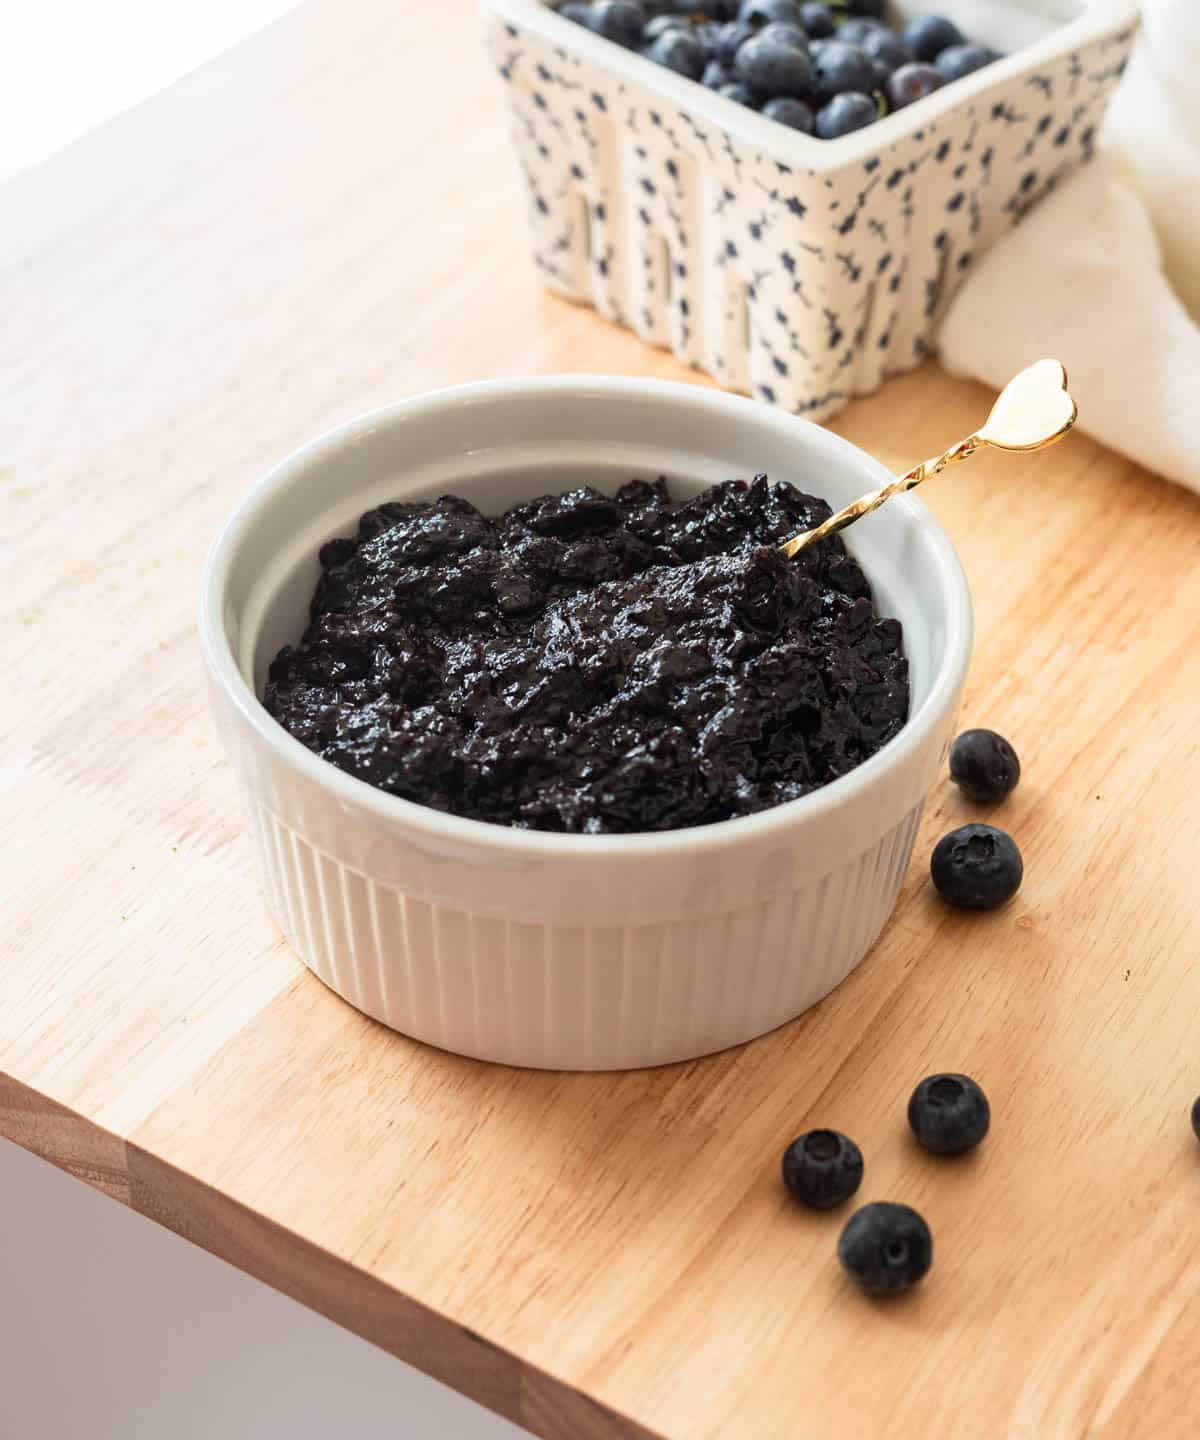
{"x": 800, "y": 270}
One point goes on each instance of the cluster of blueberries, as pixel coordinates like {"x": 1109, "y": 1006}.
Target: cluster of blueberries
{"x": 886, "y": 1248}
{"x": 823, "y": 68}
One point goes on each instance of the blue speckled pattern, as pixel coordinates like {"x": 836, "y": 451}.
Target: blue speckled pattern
{"x": 804, "y": 287}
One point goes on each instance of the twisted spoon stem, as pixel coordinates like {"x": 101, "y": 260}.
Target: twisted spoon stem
{"x": 924, "y": 471}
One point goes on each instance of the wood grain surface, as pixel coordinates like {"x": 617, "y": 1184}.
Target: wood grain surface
{"x": 328, "y": 218}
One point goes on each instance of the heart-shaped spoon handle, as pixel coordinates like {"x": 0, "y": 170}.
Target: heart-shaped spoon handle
{"x": 1033, "y": 410}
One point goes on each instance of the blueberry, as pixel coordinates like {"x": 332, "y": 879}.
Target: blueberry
{"x": 1196, "y": 1118}
{"x": 854, "y": 32}
{"x": 845, "y": 113}
{"x": 715, "y": 75}
{"x": 872, "y": 8}
{"x": 577, "y": 11}
{"x": 958, "y": 60}
{"x": 729, "y": 40}
{"x": 822, "y": 1168}
{"x": 757, "y": 13}
{"x": 738, "y": 93}
{"x": 817, "y": 20}
{"x": 795, "y": 114}
{"x": 660, "y": 24}
{"x": 770, "y": 69}
{"x": 976, "y": 866}
{"x": 885, "y": 49}
{"x": 620, "y": 20}
{"x": 911, "y": 82}
{"x": 654, "y": 8}
{"x": 782, "y": 32}
{"x": 885, "y": 1248}
{"x": 840, "y": 68}
{"x": 984, "y": 766}
{"x": 679, "y": 50}
{"x": 949, "y": 1114}
{"x": 928, "y": 35}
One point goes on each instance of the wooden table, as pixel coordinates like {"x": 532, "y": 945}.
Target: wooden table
{"x": 328, "y": 218}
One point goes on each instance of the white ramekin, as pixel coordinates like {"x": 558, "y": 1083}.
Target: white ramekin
{"x": 803, "y": 271}
{"x": 563, "y": 951}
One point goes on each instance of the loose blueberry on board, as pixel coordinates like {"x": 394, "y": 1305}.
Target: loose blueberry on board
{"x": 795, "y": 114}
{"x": 679, "y": 50}
{"x": 769, "y": 69}
{"x": 845, "y": 113}
{"x": 959, "y": 60}
{"x": 840, "y": 68}
{"x": 976, "y": 866}
{"x": 738, "y": 93}
{"x": 949, "y": 1114}
{"x": 885, "y": 49}
{"x": 758, "y": 13}
{"x": 885, "y": 1248}
{"x": 817, "y": 20}
{"x": 911, "y": 82}
{"x": 984, "y": 766}
{"x": 621, "y": 21}
{"x": 1196, "y": 1118}
{"x": 822, "y": 1168}
{"x": 928, "y": 35}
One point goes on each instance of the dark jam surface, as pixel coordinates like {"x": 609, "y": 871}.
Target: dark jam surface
{"x": 594, "y": 664}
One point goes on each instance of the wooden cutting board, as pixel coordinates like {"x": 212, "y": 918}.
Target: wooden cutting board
{"x": 328, "y": 218}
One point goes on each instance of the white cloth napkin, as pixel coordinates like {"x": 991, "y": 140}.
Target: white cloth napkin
{"x": 1102, "y": 275}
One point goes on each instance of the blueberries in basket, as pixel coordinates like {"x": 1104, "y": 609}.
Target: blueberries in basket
{"x": 885, "y": 1248}
{"x": 837, "y": 58}
{"x": 928, "y": 35}
{"x": 768, "y": 68}
{"x": 839, "y": 68}
{"x": 660, "y": 24}
{"x": 949, "y": 1114}
{"x": 984, "y": 766}
{"x": 959, "y": 60}
{"x": 976, "y": 866}
{"x": 619, "y": 20}
{"x": 757, "y": 13}
{"x": 844, "y": 113}
{"x": 730, "y": 38}
{"x": 911, "y": 82}
{"x": 854, "y": 32}
{"x": 737, "y": 92}
{"x": 795, "y": 114}
{"x": 885, "y": 49}
{"x": 781, "y": 32}
{"x": 679, "y": 50}
{"x": 817, "y": 20}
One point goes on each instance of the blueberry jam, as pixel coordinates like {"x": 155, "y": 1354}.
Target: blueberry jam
{"x": 594, "y": 664}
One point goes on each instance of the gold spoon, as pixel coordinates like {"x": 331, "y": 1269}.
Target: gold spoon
{"x": 1033, "y": 410}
